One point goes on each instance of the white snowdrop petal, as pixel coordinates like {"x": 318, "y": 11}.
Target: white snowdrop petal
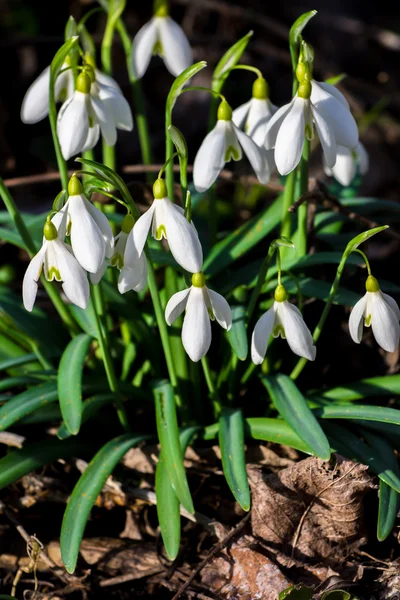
{"x": 317, "y": 86}
{"x": 87, "y": 240}
{"x": 258, "y": 157}
{"x": 182, "y": 238}
{"x": 133, "y": 278}
{"x": 35, "y": 105}
{"x": 210, "y": 158}
{"x": 105, "y": 119}
{"x": 259, "y": 115}
{"x": 177, "y": 53}
{"x": 261, "y": 334}
{"x": 356, "y": 320}
{"x": 221, "y": 309}
{"x": 32, "y": 274}
{"x": 142, "y": 47}
{"x": 176, "y": 305}
{"x": 139, "y": 233}
{"x": 384, "y": 323}
{"x": 392, "y": 303}
{"x": 344, "y": 169}
{"x": 75, "y": 282}
{"x": 73, "y": 125}
{"x": 60, "y": 221}
{"x": 117, "y": 106}
{"x": 339, "y": 119}
{"x": 297, "y": 334}
{"x": 274, "y": 124}
{"x": 103, "y": 224}
{"x": 290, "y": 139}
{"x": 240, "y": 113}
{"x": 92, "y": 138}
{"x": 95, "y": 278}
{"x": 196, "y": 330}
{"x": 326, "y": 138}
{"x": 105, "y": 79}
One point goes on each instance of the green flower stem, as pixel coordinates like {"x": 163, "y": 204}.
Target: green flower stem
{"x": 260, "y": 282}
{"x": 365, "y": 259}
{"x": 216, "y": 402}
{"x": 300, "y": 239}
{"x": 102, "y": 337}
{"x": 108, "y": 155}
{"x": 318, "y": 330}
{"x": 62, "y": 165}
{"x": 169, "y": 150}
{"x": 138, "y": 99}
{"x": 288, "y": 197}
{"x": 106, "y": 62}
{"x": 20, "y": 226}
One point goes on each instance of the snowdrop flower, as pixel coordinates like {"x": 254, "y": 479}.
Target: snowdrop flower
{"x": 167, "y": 220}
{"x": 117, "y": 259}
{"x": 162, "y": 36}
{"x": 254, "y": 115}
{"x": 90, "y": 232}
{"x": 59, "y": 264}
{"x": 291, "y": 124}
{"x": 223, "y": 143}
{"x": 93, "y": 108}
{"x": 35, "y": 105}
{"x": 133, "y": 275}
{"x": 379, "y": 311}
{"x": 201, "y": 304}
{"x": 283, "y": 319}
{"x": 345, "y": 167}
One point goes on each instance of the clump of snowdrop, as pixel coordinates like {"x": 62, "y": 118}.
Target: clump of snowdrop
{"x": 162, "y": 36}
{"x": 317, "y": 105}
{"x": 200, "y": 305}
{"x": 95, "y": 107}
{"x": 166, "y": 219}
{"x": 58, "y": 263}
{"x": 282, "y": 319}
{"x": 379, "y": 311}
{"x": 90, "y": 232}
{"x": 254, "y": 116}
{"x": 347, "y": 160}
{"x": 224, "y": 143}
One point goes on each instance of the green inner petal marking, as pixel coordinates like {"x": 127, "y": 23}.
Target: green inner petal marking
{"x": 309, "y": 132}
{"x": 53, "y": 273}
{"x": 279, "y": 331}
{"x": 117, "y": 261}
{"x": 368, "y": 320}
{"x": 158, "y": 49}
{"x": 230, "y": 153}
{"x": 210, "y": 313}
{"x": 161, "y": 231}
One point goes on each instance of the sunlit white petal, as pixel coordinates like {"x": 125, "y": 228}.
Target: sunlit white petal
{"x": 274, "y": 125}
{"x": 92, "y": 138}
{"x": 258, "y": 157}
{"x": 32, "y": 274}
{"x": 75, "y": 283}
{"x": 259, "y": 115}
{"x": 239, "y": 115}
{"x": 338, "y": 117}
{"x": 356, "y": 320}
{"x": 221, "y": 309}
{"x": 103, "y": 224}
{"x": 139, "y": 233}
{"x": 297, "y": 334}
{"x": 73, "y": 125}
{"x": 104, "y": 118}
{"x": 384, "y": 323}
{"x": 261, "y": 334}
{"x": 133, "y": 278}
{"x": 95, "y": 278}
{"x": 142, "y": 47}
{"x": 330, "y": 89}
{"x": 392, "y": 303}
{"x": 196, "y": 330}
{"x": 327, "y": 139}
{"x": 290, "y": 139}
{"x": 177, "y": 53}
{"x": 86, "y": 238}
{"x": 210, "y": 158}
{"x": 176, "y": 305}
{"x": 35, "y": 105}
{"x": 182, "y": 238}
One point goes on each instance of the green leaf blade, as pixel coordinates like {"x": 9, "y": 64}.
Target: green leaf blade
{"x": 231, "y": 441}
{"x": 237, "y": 335}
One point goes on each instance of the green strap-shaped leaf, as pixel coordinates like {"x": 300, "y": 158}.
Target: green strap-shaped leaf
{"x": 168, "y": 434}
{"x": 25, "y": 403}
{"x": 179, "y": 83}
{"x": 237, "y": 335}
{"x": 228, "y": 60}
{"x": 293, "y": 407}
{"x": 348, "y": 444}
{"x": 231, "y": 442}
{"x": 70, "y": 381}
{"x": 276, "y": 431}
{"x": 18, "y": 463}
{"x": 86, "y": 491}
{"x": 89, "y": 408}
{"x": 388, "y": 385}
{"x": 168, "y": 507}
{"x": 11, "y": 382}
{"x": 388, "y": 497}
{"x": 360, "y": 411}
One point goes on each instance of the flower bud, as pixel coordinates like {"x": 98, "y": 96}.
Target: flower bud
{"x": 83, "y": 82}
{"x": 224, "y": 111}
{"x": 260, "y": 89}
{"x": 280, "y": 293}
{"x": 74, "y": 186}
{"x": 198, "y": 280}
{"x": 160, "y": 189}
{"x": 127, "y": 223}
{"x": 372, "y": 285}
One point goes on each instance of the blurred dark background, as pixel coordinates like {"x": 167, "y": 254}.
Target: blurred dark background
{"x": 361, "y": 39}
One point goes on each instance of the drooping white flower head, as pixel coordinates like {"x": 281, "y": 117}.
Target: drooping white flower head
{"x": 345, "y": 167}
{"x": 254, "y": 116}
{"x": 133, "y": 275}
{"x": 60, "y": 264}
{"x": 162, "y": 36}
{"x": 94, "y": 108}
{"x": 90, "y": 232}
{"x": 379, "y": 311}
{"x": 35, "y": 105}
{"x": 224, "y": 143}
{"x": 201, "y": 305}
{"x": 167, "y": 220}
{"x": 291, "y": 124}
{"x": 283, "y": 319}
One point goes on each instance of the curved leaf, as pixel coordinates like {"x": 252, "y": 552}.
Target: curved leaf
{"x": 168, "y": 434}
{"x": 293, "y": 407}
{"x": 89, "y": 408}
{"x": 299, "y": 24}
{"x": 86, "y": 491}
{"x": 276, "y": 431}
{"x": 237, "y": 335}
{"x": 179, "y": 83}
{"x": 231, "y": 442}
{"x": 25, "y": 403}
{"x": 363, "y": 412}
{"x": 388, "y": 385}
{"x": 228, "y": 60}
{"x": 61, "y": 55}
{"x": 20, "y": 462}
{"x": 69, "y": 381}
